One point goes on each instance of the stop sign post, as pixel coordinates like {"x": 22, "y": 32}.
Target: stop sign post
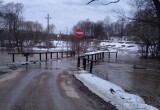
{"x": 79, "y": 33}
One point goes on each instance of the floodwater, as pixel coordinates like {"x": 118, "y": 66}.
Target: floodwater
{"x": 138, "y": 76}
{"x": 6, "y": 58}
{"x": 40, "y": 81}
{"x": 135, "y": 75}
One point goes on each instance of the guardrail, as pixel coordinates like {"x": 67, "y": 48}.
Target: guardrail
{"x": 90, "y": 58}
{"x": 26, "y": 54}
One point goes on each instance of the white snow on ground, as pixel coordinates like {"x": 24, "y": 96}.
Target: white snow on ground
{"x": 112, "y": 93}
{"x": 89, "y": 53}
{"x": 59, "y": 43}
{"x": 53, "y": 42}
{"x": 40, "y": 44}
{"x": 58, "y": 46}
{"x": 50, "y": 49}
{"x": 121, "y": 45}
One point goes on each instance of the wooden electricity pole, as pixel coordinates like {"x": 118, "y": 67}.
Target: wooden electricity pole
{"x": 48, "y": 18}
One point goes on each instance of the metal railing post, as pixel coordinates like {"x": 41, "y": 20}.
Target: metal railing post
{"x": 84, "y": 63}
{"x": 13, "y": 59}
{"x": 79, "y": 60}
{"x": 91, "y": 66}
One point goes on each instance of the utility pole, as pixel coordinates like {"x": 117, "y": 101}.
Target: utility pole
{"x": 48, "y": 18}
{"x": 66, "y": 30}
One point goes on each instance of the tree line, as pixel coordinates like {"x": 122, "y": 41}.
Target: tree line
{"x": 102, "y": 29}
{"x": 143, "y": 26}
{"x": 16, "y": 32}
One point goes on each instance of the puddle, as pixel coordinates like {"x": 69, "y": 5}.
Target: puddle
{"x": 66, "y": 85}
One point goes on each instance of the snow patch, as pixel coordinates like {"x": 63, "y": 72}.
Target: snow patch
{"x": 123, "y": 46}
{"x": 49, "y": 50}
{"x": 113, "y": 93}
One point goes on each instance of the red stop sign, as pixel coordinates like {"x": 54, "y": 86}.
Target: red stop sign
{"x": 79, "y": 33}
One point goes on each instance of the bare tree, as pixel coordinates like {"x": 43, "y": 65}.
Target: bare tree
{"x": 99, "y": 30}
{"x": 107, "y": 27}
{"x": 156, "y": 7}
{"x": 91, "y": 29}
{"x": 104, "y": 3}
{"x": 87, "y": 26}
{"x": 144, "y": 25}
{"x": 52, "y": 28}
{"x": 13, "y": 18}
{"x": 2, "y": 24}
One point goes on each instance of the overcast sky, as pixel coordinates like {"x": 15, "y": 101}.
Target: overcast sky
{"x": 66, "y": 13}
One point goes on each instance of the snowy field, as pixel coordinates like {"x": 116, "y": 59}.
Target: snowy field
{"x": 123, "y": 47}
{"x": 57, "y": 46}
{"x": 112, "y": 93}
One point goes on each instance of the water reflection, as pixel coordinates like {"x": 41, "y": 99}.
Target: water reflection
{"x": 6, "y": 59}
{"x": 47, "y": 65}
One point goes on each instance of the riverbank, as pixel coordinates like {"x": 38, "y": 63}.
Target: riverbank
{"x": 112, "y": 93}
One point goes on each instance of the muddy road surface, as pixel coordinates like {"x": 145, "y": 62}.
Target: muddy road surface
{"x": 42, "y": 86}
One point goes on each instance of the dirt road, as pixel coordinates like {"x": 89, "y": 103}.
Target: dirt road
{"x": 43, "y": 86}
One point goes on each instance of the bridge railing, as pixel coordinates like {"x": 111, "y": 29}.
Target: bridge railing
{"x": 92, "y": 58}
{"x": 26, "y": 54}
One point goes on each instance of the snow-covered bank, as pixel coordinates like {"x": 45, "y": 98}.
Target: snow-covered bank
{"x": 113, "y": 93}
{"x": 129, "y": 47}
{"x": 35, "y": 49}
{"x": 56, "y": 46}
